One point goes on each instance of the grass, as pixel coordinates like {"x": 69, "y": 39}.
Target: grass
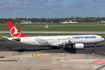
{"x": 58, "y": 28}
{"x": 89, "y": 26}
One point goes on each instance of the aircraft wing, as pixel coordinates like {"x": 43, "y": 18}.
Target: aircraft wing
{"x": 58, "y": 44}
{"x": 62, "y": 43}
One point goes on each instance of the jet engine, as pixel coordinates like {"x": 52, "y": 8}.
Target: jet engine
{"x": 78, "y": 46}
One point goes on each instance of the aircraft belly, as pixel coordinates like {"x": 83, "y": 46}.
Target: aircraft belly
{"x": 86, "y": 41}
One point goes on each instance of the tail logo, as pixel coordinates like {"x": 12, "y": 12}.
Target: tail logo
{"x": 15, "y": 32}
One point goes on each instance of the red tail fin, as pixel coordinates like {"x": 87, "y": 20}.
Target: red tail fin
{"x": 14, "y": 31}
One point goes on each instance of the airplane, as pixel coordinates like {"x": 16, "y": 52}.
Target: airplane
{"x": 75, "y": 41}
{"x": 68, "y": 22}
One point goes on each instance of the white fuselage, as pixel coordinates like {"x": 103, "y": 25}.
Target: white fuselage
{"x": 61, "y": 40}
{"x": 68, "y": 22}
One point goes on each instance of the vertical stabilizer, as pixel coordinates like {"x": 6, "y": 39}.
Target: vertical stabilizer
{"x": 14, "y": 31}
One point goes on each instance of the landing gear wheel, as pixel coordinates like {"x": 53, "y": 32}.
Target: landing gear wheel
{"x": 62, "y": 48}
{"x": 53, "y": 47}
{"x": 71, "y": 46}
{"x": 95, "y": 45}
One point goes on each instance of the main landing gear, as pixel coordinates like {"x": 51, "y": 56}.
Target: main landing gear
{"x": 95, "y": 45}
{"x": 62, "y": 48}
{"x": 54, "y": 47}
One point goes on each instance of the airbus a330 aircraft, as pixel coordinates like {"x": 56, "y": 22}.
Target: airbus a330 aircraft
{"x": 68, "y": 22}
{"x": 76, "y": 41}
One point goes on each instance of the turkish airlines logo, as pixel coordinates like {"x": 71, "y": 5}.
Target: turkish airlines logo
{"x": 15, "y": 32}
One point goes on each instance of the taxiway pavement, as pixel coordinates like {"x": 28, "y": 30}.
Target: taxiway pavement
{"x": 6, "y": 45}
{"x": 16, "y": 56}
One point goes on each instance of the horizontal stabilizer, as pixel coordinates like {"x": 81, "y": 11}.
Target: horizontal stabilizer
{"x": 14, "y": 39}
{"x": 5, "y": 37}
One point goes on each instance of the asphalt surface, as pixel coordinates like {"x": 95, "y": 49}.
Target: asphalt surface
{"x": 17, "y": 56}
{"x": 60, "y": 32}
{"x": 6, "y": 45}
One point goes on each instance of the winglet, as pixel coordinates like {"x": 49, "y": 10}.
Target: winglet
{"x": 14, "y": 31}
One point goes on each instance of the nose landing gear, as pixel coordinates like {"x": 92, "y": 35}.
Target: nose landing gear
{"x": 95, "y": 45}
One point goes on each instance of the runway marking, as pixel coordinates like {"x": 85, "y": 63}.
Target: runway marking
{"x": 31, "y": 62}
{"x": 100, "y": 62}
{"x": 37, "y": 55}
{"x": 53, "y": 61}
{"x": 57, "y": 61}
{"x": 101, "y": 68}
{"x": 24, "y": 63}
{"x": 16, "y": 66}
{"x": 16, "y": 54}
{"x": 20, "y": 65}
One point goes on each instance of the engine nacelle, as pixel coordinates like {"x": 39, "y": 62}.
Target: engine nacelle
{"x": 78, "y": 46}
